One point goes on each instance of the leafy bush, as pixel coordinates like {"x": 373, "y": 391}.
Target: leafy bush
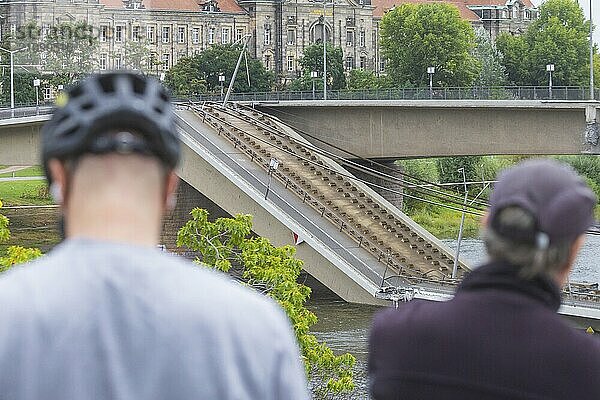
{"x": 227, "y": 244}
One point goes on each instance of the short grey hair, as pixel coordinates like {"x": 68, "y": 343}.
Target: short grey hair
{"x": 533, "y": 261}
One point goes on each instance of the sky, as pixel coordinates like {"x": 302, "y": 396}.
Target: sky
{"x": 585, "y": 4}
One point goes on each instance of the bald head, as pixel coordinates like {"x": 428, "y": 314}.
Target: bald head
{"x": 114, "y": 196}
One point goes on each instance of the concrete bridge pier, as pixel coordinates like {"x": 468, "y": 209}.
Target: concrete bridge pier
{"x": 188, "y": 198}
{"x": 592, "y": 131}
{"x": 388, "y": 167}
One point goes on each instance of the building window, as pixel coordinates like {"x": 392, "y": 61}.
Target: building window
{"x": 135, "y": 33}
{"x": 239, "y": 34}
{"x": 47, "y": 93}
{"x": 46, "y": 30}
{"x": 268, "y": 63}
{"x": 349, "y": 37}
{"x": 181, "y": 34}
{"x": 381, "y": 65}
{"x": 225, "y": 33}
{"x": 103, "y": 33}
{"x": 103, "y": 59}
{"x": 291, "y": 36}
{"x": 290, "y": 63}
{"x": 118, "y": 61}
{"x": 361, "y": 38}
{"x": 166, "y": 32}
{"x": 166, "y": 61}
{"x": 195, "y": 35}
{"x": 267, "y": 38}
{"x": 211, "y": 35}
{"x": 349, "y": 62}
{"x": 118, "y": 33}
{"x": 150, "y": 33}
{"x": 363, "y": 62}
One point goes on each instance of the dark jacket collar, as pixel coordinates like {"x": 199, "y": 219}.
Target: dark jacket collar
{"x": 503, "y": 276}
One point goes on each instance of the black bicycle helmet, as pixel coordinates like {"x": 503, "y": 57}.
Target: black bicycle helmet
{"x": 135, "y": 109}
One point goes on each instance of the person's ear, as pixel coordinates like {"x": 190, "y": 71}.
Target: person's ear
{"x": 484, "y": 220}
{"x": 171, "y": 191}
{"x": 563, "y": 274}
{"x": 58, "y": 175}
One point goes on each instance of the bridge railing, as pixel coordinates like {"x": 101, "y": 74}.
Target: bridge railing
{"x": 575, "y": 93}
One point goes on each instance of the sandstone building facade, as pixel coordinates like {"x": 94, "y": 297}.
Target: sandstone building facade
{"x": 279, "y": 29}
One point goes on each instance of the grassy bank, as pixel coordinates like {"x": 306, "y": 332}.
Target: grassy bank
{"x": 443, "y": 222}
{"x": 29, "y": 227}
{"x": 23, "y": 193}
{"x": 30, "y": 171}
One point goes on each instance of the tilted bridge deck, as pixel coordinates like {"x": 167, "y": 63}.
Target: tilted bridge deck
{"x": 387, "y": 234}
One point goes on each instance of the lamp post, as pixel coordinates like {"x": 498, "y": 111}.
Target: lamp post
{"x": 460, "y": 229}
{"x": 246, "y": 39}
{"x": 36, "y": 85}
{"x": 325, "y": 51}
{"x": 430, "y": 71}
{"x": 12, "y": 77}
{"x": 273, "y": 165}
{"x": 550, "y": 70}
{"x": 591, "y": 55}
{"x": 313, "y": 75}
{"x": 221, "y": 82}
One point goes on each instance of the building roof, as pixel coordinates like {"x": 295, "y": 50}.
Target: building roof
{"x": 228, "y": 6}
{"x": 499, "y": 3}
{"x": 382, "y": 6}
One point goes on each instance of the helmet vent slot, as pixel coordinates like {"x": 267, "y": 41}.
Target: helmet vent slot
{"x": 107, "y": 84}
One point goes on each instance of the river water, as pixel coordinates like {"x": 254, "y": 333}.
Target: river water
{"x": 345, "y": 327}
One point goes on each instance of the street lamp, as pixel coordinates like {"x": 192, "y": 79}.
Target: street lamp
{"x": 36, "y": 85}
{"x": 12, "y": 76}
{"x": 324, "y": 37}
{"x": 591, "y": 55}
{"x": 273, "y": 165}
{"x": 431, "y": 71}
{"x": 550, "y": 70}
{"x": 313, "y": 75}
{"x": 221, "y": 82}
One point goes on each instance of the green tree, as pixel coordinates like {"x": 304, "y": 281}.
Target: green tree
{"x": 560, "y": 37}
{"x": 417, "y": 36}
{"x": 312, "y": 60}
{"x": 492, "y": 72}
{"x": 205, "y": 68}
{"x": 183, "y": 79}
{"x": 70, "y": 49}
{"x": 227, "y": 244}
{"x": 137, "y": 56}
{"x": 26, "y": 61}
{"x": 14, "y": 254}
{"x": 448, "y": 169}
{"x": 359, "y": 79}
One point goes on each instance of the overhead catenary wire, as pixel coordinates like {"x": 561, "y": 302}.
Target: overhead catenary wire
{"x": 377, "y": 173}
{"x": 350, "y": 176}
{"x": 354, "y": 155}
{"x": 468, "y": 209}
{"x": 369, "y": 171}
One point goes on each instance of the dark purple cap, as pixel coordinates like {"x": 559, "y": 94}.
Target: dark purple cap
{"x": 558, "y": 198}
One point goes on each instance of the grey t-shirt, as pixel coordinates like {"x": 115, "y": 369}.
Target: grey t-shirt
{"x": 99, "y": 320}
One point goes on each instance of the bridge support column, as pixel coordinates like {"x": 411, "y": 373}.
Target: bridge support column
{"x": 388, "y": 167}
{"x": 592, "y": 130}
{"x": 187, "y": 199}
